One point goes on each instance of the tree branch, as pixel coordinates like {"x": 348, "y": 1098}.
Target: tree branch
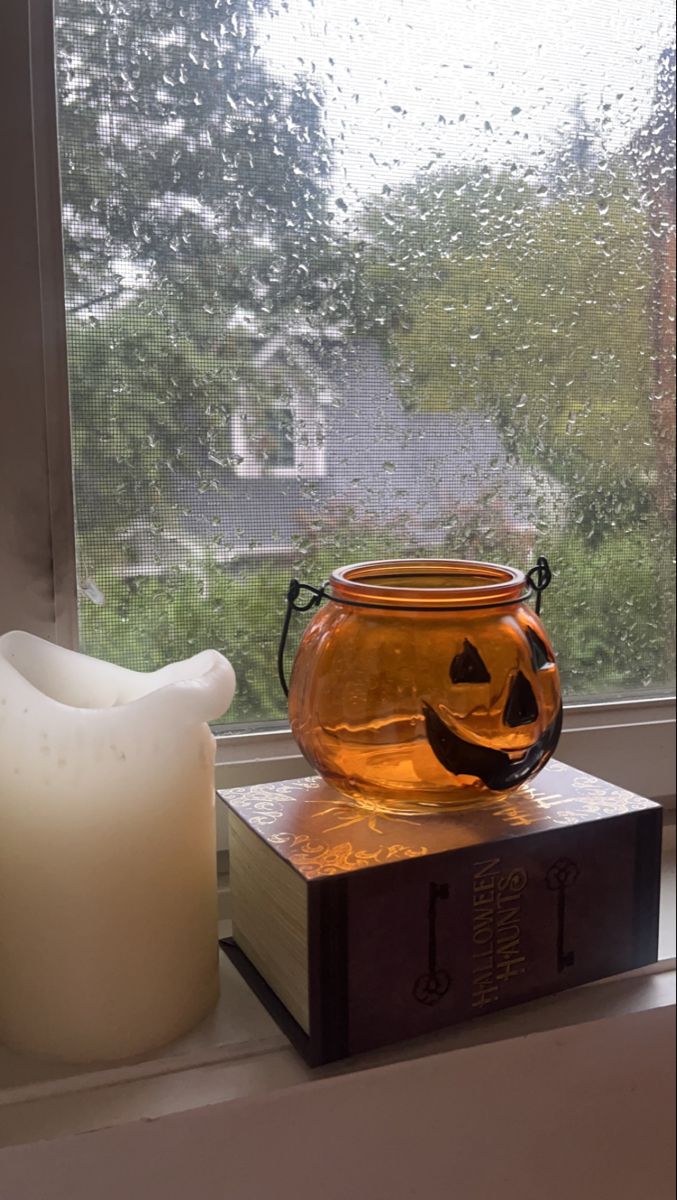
{"x": 98, "y": 299}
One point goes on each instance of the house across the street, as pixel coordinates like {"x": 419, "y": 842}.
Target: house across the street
{"x": 345, "y": 448}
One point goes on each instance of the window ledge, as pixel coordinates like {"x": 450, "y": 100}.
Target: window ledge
{"x": 629, "y": 742}
{"x": 238, "y": 1052}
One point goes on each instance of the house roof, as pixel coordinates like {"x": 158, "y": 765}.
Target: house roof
{"x": 408, "y": 471}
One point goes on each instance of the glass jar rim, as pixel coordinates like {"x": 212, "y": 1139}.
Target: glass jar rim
{"x": 379, "y": 584}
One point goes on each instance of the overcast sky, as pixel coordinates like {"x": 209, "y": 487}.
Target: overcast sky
{"x": 405, "y": 81}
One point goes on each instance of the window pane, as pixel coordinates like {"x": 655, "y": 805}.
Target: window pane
{"x": 352, "y": 281}
{"x": 276, "y": 438}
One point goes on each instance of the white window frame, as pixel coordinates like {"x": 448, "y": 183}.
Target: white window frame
{"x": 310, "y": 460}
{"x": 628, "y": 741}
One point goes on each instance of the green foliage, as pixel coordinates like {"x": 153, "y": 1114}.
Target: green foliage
{"x": 150, "y": 621}
{"x": 534, "y": 308}
{"x": 339, "y": 535}
{"x": 611, "y": 613}
{"x": 609, "y": 609}
{"x": 142, "y": 395}
{"x": 612, "y": 625}
{"x": 488, "y": 530}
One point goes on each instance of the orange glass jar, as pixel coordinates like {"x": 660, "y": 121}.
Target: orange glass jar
{"x": 425, "y": 683}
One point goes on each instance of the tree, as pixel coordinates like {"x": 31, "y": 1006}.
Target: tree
{"x": 577, "y": 155}
{"x": 193, "y": 185}
{"x": 177, "y": 144}
{"x": 534, "y": 308}
{"x": 143, "y": 397}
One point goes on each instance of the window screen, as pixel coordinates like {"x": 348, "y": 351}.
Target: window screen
{"x": 352, "y": 281}
{"x": 276, "y": 438}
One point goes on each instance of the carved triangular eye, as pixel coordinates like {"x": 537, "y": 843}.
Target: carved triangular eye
{"x": 539, "y": 651}
{"x": 521, "y": 708}
{"x": 468, "y": 667}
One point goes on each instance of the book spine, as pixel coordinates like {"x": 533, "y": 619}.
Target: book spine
{"x": 648, "y": 848}
{"x": 328, "y": 969}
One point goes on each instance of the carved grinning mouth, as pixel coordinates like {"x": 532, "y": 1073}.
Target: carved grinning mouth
{"x": 495, "y": 768}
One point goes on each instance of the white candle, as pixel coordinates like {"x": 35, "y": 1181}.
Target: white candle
{"x": 108, "y": 936}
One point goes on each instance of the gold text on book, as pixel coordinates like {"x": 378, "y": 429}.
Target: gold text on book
{"x": 496, "y": 929}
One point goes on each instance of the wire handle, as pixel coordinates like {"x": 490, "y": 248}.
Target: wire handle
{"x": 293, "y": 592}
{"x": 539, "y": 578}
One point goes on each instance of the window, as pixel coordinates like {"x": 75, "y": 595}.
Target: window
{"x": 282, "y": 440}
{"x": 346, "y": 283}
{"x": 276, "y": 439}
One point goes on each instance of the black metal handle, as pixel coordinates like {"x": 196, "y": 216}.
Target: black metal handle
{"x": 293, "y": 592}
{"x": 539, "y": 578}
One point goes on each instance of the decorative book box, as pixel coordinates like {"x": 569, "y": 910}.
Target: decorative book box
{"x": 357, "y": 929}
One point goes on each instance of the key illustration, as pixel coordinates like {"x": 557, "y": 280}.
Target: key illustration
{"x": 562, "y": 875}
{"x": 434, "y": 984}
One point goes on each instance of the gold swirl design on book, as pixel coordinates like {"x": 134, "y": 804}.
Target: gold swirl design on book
{"x": 316, "y": 859}
{"x": 321, "y": 833}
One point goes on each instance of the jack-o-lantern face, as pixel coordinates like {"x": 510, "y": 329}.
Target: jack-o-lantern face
{"x": 425, "y": 684}
{"x": 503, "y": 718}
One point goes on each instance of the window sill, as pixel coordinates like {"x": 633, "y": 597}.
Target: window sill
{"x": 239, "y": 1053}
{"x": 629, "y": 742}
